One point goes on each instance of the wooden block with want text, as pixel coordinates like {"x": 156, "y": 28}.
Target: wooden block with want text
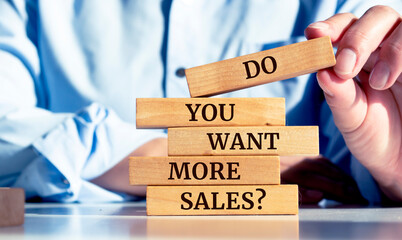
{"x": 268, "y": 140}
{"x": 261, "y": 67}
{"x": 12, "y": 207}
{"x": 197, "y": 112}
{"x": 222, "y": 200}
{"x": 205, "y": 170}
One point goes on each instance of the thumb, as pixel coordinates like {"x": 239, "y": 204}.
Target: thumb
{"x": 346, "y": 99}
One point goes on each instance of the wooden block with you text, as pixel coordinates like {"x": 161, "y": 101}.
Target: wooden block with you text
{"x": 267, "y": 140}
{"x": 12, "y": 207}
{"x": 261, "y": 67}
{"x": 222, "y": 200}
{"x": 205, "y": 170}
{"x": 198, "y": 112}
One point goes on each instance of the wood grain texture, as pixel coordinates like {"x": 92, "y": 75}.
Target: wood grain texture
{"x": 197, "y": 112}
{"x": 238, "y": 170}
{"x": 222, "y": 200}
{"x": 272, "y": 140}
{"x": 231, "y": 74}
{"x": 218, "y": 228}
{"x": 12, "y": 206}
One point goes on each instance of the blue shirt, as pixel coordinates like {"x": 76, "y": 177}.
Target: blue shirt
{"x": 70, "y": 72}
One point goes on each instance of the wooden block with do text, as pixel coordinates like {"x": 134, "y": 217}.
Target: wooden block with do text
{"x": 222, "y": 200}
{"x": 205, "y": 170}
{"x": 187, "y": 112}
{"x": 12, "y": 206}
{"x": 261, "y": 67}
{"x": 267, "y": 140}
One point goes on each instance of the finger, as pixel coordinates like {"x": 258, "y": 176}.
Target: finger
{"x": 317, "y": 174}
{"x": 389, "y": 65}
{"x": 289, "y": 161}
{"x": 302, "y": 172}
{"x": 308, "y": 196}
{"x": 351, "y": 195}
{"x": 362, "y": 38}
{"x": 346, "y": 99}
{"x": 341, "y": 188}
{"x": 347, "y": 192}
{"x": 372, "y": 60}
{"x": 322, "y": 167}
{"x": 334, "y": 27}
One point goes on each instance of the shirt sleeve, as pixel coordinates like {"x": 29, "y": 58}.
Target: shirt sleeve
{"x": 52, "y": 155}
{"x": 359, "y": 7}
{"x": 80, "y": 148}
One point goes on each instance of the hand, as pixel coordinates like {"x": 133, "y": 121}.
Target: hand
{"x": 364, "y": 89}
{"x": 116, "y": 178}
{"x": 319, "y": 178}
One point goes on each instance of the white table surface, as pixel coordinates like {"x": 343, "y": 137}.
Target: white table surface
{"x": 129, "y": 221}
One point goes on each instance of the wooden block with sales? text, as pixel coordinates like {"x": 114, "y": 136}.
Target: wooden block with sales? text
{"x": 261, "y": 67}
{"x": 204, "y": 170}
{"x": 198, "y": 112}
{"x": 222, "y": 200}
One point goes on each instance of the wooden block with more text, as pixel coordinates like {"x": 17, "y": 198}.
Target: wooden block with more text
{"x": 261, "y": 67}
{"x": 198, "y": 112}
{"x": 268, "y": 140}
{"x": 12, "y": 206}
{"x": 222, "y": 200}
{"x": 204, "y": 170}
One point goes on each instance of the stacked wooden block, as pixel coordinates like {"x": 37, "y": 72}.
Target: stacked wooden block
{"x": 12, "y": 209}
{"x": 223, "y": 153}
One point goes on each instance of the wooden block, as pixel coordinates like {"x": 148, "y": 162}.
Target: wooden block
{"x": 261, "y": 67}
{"x": 12, "y": 206}
{"x": 197, "y": 112}
{"x": 268, "y": 140}
{"x": 210, "y": 170}
{"x": 222, "y": 200}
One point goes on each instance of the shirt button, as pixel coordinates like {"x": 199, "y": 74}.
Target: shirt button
{"x": 180, "y": 72}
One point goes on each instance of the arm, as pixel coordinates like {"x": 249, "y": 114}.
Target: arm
{"x": 116, "y": 179}
{"x": 53, "y": 156}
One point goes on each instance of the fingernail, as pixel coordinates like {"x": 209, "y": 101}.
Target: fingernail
{"x": 379, "y": 76}
{"x": 345, "y": 62}
{"x": 318, "y": 25}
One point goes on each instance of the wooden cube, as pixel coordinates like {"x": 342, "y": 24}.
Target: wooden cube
{"x": 268, "y": 140}
{"x": 12, "y": 206}
{"x": 261, "y": 67}
{"x": 197, "y": 112}
{"x": 222, "y": 200}
{"x": 204, "y": 170}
